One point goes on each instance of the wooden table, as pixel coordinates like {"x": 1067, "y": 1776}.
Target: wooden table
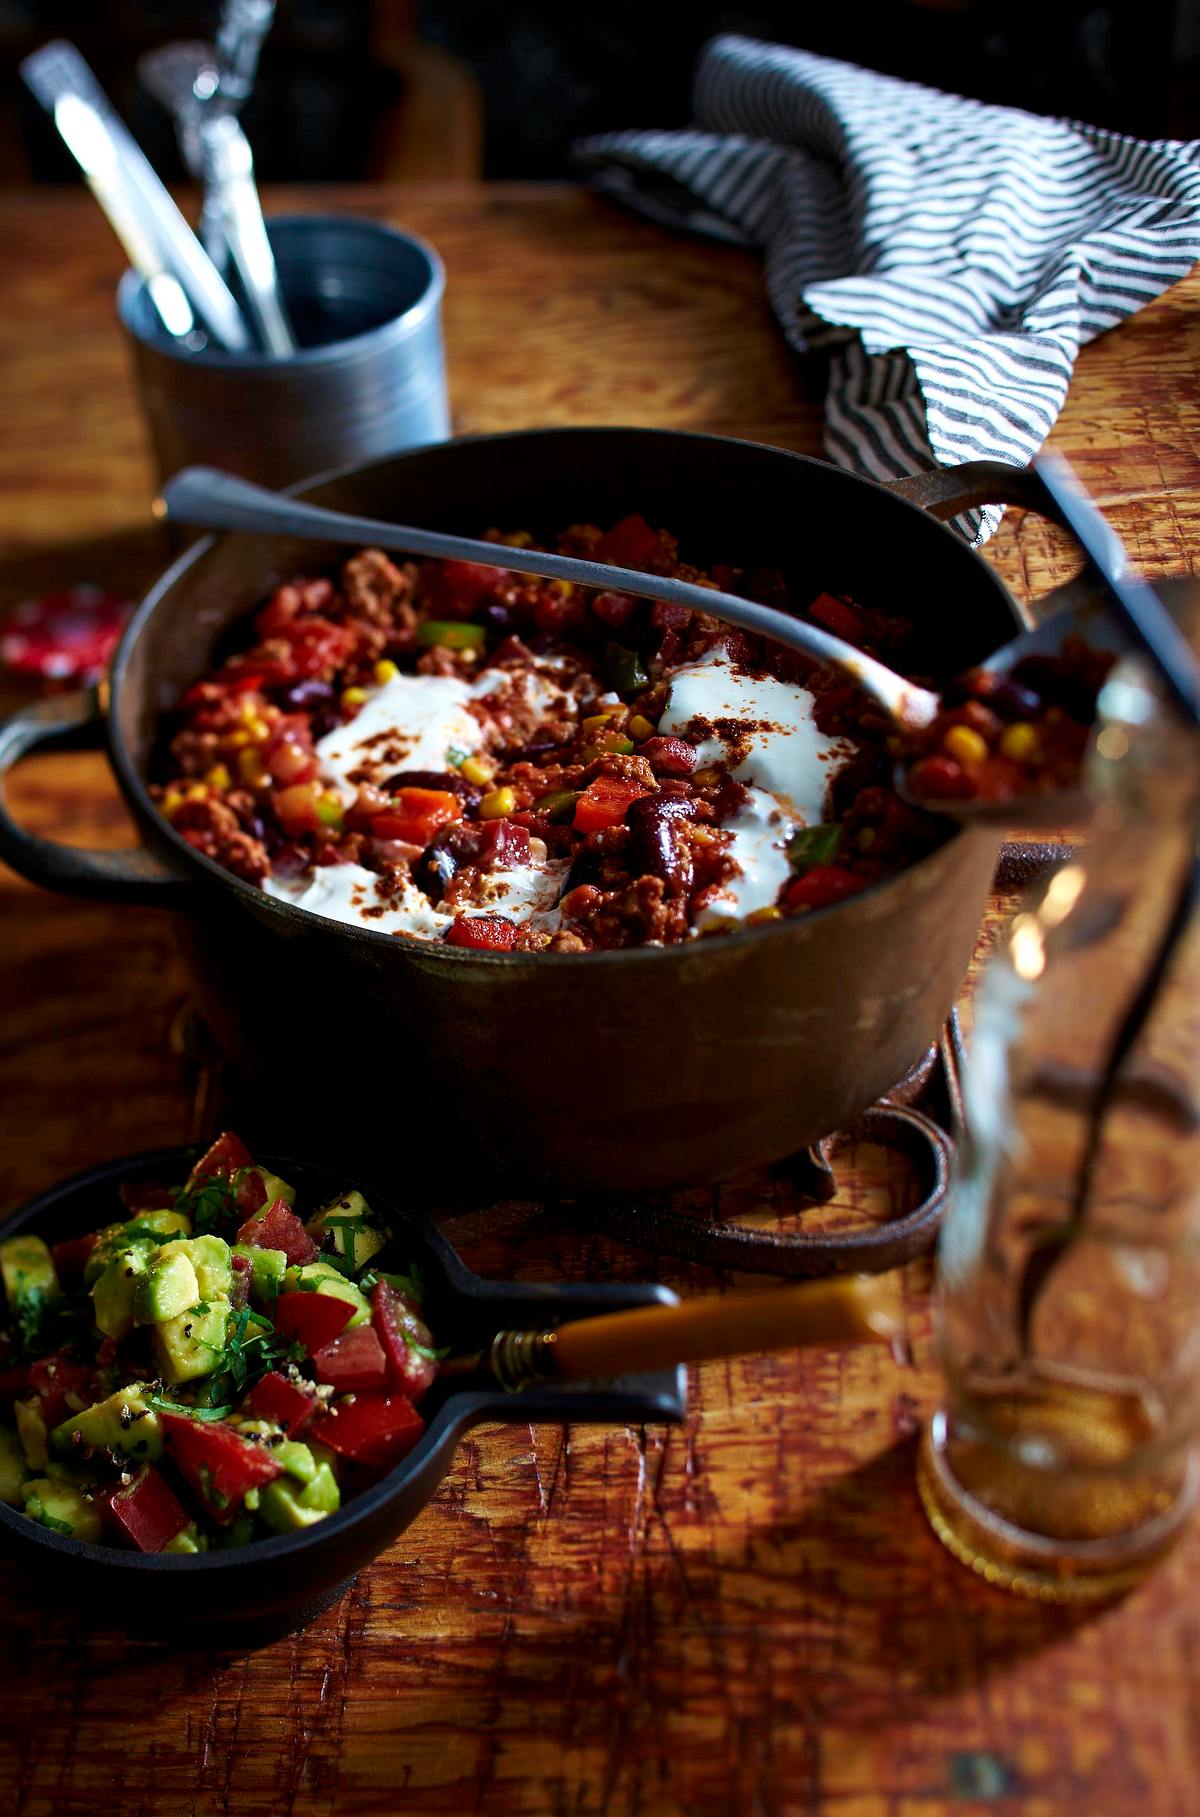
{"x": 744, "y": 1615}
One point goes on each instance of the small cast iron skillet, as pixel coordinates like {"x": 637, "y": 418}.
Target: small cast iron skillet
{"x": 596, "y": 1073}
{"x": 275, "y": 1585}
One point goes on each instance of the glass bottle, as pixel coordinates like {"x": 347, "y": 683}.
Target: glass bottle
{"x": 1061, "y": 1461}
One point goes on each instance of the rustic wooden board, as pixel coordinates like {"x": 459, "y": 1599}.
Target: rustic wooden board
{"x": 744, "y": 1615}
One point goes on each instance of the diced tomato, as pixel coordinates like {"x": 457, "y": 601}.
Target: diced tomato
{"x": 243, "y": 1271}
{"x": 605, "y": 802}
{"x": 673, "y": 756}
{"x": 251, "y": 1193}
{"x": 457, "y": 588}
{"x": 940, "y": 779}
{"x": 71, "y": 1256}
{"x": 405, "y": 1337}
{"x": 822, "y": 884}
{"x": 217, "y": 1463}
{"x": 372, "y": 1429}
{"x": 615, "y": 609}
{"x": 665, "y": 617}
{"x": 278, "y": 1227}
{"x": 557, "y": 614}
{"x": 55, "y": 1377}
{"x": 316, "y": 647}
{"x": 836, "y": 616}
{"x": 417, "y": 815}
{"x": 281, "y": 1402}
{"x": 148, "y": 1514}
{"x": 312, "y": 1319}
{"x": 630, "y": 544}
{"x": 486, "y": 933}
{"x": 296, "y": 808}
{"x": 503, "y": 845}
{"x": 354, "y": 1360}
{"x": 290, "y": 763}
{"x": 227, "y": 1154}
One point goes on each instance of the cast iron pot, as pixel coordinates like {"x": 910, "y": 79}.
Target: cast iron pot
{"x": 257, "y": 1591}
{"x": 568, "y": 1074}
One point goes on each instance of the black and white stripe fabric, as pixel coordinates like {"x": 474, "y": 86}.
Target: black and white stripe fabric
{"x": 954, "y": 256}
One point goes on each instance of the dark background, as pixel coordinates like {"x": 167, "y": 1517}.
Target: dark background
{"x": 386, "y": 88}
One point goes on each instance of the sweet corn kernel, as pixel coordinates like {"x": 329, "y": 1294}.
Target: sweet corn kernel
{"x": 762, "y": 915}
{"x": 259, "y": 730}
{"x": 239, "y": 739}
{"x": 563, "y": 588}
{"x": 171, "y": 802}
{"x": 195, "y": 792}
{"x": 517, "y": 539}
{"x": 478, "y": 770}
{"x": 640, "y": 728}
{"x": 354, "y": 697}
{"x": 249, "y": 712}
{"x": 594, "y": 722}
{"x": 1020, "y": 742}
{"x": 218, "y": 777}
{"x": 496, "y": 803}
{"x": 330, "y": 811}
{"x": 707, "y": 775}
{"x": 966, "y": 745}
{"x": 251, "y": 768}
{"x": 385, "y": 671}
{"x": 866, "y": 838}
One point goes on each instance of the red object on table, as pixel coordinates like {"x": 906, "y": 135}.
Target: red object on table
{"x": 68, "y": 636}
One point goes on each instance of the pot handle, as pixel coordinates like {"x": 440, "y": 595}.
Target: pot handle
{"x": 945, "y": 492}
{"x": 74, "y": 722}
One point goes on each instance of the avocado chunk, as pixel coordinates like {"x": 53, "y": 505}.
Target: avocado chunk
{"x": 12, "y": 1468}
{"x": 145, "y": 1227}
{"x": 209, "y": 1257}
{"x": 283, "y": 1506}
{"x": 348, "y": 1220}
{"x": 63, "y": 1508}
{"x": 188, "y": 1539}
{"x": 274, "y": 1187}
{"x": 31, "y": 1429}
{"x": 193, "y": 1342}
{"x": 115, "y": 1291}
{"x": 169, "y": 1286}
{"x": 323, "y": 1277}
{"x": 29, "y": 1274}
{"x": 267, "y": 1269}
{"x": 125, "y": 1422}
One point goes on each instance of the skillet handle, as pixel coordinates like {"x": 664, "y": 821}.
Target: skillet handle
{"x": 74, "y": 722}
{"x": 945, "y": 492}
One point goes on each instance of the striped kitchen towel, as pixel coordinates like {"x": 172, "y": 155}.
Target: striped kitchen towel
{"x": 952, "y": 256}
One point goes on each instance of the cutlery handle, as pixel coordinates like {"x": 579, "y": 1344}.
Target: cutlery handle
{"x": 850, "y": 1310}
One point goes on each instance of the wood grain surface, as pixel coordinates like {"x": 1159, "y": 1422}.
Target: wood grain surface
{"x": 744, "y": 1615}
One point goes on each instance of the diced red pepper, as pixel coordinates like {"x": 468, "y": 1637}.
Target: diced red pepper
{"x": 148, "y": 1514}
{"x": 836, "y": 616}
{"x": 281, "y": 1402}
{"x": 217, "y": 1463}
{"x": 404, "y": 1337}
{"x": 372, "y": 1429}
{"x": 605, "y": 802}
{"x": 486, "y": 933}
{"x": 312, "y": 1319}
{"x": 55, "y": 1377}
{"x": 630, "y": 544}
{"x": 278, "y": 1227}
{"x": 226, "y": 1155}
{"x": 823, "y": 884}
{"x": 673, "y": 756}
{"x": 417, "y": 815}
{"x": 70, "y": 1257}
{"x": 503, "y": 845}
{"x": 354, "y": 1360}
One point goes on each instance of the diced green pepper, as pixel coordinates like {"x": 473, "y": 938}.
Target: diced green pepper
{"x": 813, "y": 845}
{"x": 624, "y": 670}
{"x": 558, "y": 806}
{"x": 452, "y": 634}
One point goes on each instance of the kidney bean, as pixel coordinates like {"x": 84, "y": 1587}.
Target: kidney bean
{"x": 453, "y": 847}
{"x": 1011, "y": 701}
{"x": 311, "y": 692}
{"x": 673, "y": 756}
{"x": 655, "y": 845}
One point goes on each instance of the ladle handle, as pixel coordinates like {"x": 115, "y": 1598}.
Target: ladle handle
{"x": 853, "y": 1309}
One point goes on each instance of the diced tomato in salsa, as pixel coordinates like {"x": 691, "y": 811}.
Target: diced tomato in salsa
{"x": 630, "y": 543}
{"x": 311, "y": 1319}
{"x": 71, "y": 1257}
{"x": 217, "y": 1463}
{"x": 279, "y": 1228}
{"x": 56, "y": 1377}
{"x": 406, "y": 1341}
{"x": 459, "y": 588}
{"x": 372, "y": 1429}
{"x": 148, "y": 1514}
{"x": 282, "y": 1402}
{"x": 354, "y": 1360}
{"x": 225, "y": 1157}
